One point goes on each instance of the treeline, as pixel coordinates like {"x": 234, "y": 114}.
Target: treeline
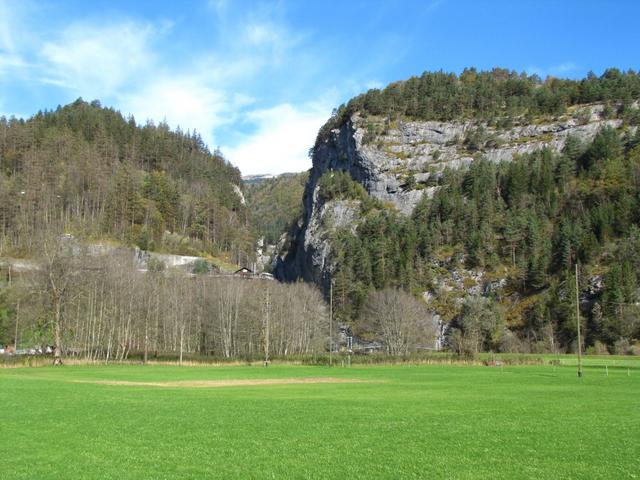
{"x": 528, "y": 221}
{"x": 103, "y": 308}
{"x": 498, "y": 95}
{"x": 87, "y": 170}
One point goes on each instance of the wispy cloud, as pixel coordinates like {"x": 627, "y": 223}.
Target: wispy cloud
{"x": 98, "y": 59}
{"x": 6, "y": 40}
{"x": 433, "y": 5}
{"x": 11, "y": 62}
{"x": 230, "y": 90}
{"x": 218, "y": 6}
{"x": 119, "y": 62}
{"x": 565, "y": 68}
{"x": 187, "y": 101}
{"x": 261, "y": 34}
{"x": 11, "y": 59}
{"x": 283, "y": 136}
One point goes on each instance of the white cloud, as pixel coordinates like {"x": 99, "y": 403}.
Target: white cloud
{"x": 260, "y": 34}
{"x": 433, "y": 6}
{"x": 553, "y": 70}
{"x": 123, "y": 64}
{"x": 117, "y": 63}
{"x": 283, "y": 137}
{"x": 564, "y": 67}
{"x": 10, "y": 62}
{"x": 373, "y": 84}
{"x": 6, "y": 40}
{"x": 187, "y": 101}
{"x": 267, "y": 35}
{"x": 97, "y": 60}
{"x": 10, "y": 57}
{"x": 218, "y": 6}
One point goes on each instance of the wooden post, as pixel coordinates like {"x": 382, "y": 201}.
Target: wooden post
{"x": 15, "y": 340}
{"x": 267, "y": 306}
{"x": 330, "y": 322}
{"x": 578, "y": 325}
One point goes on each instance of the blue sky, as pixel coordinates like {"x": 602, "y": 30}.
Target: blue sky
{"x": 258, "y": 79}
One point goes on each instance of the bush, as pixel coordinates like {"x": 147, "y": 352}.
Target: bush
{"x": 598, "y": 348}
{"x": 156, "y": 265}
{"x": 624, "y": 347}
{"x": 338, "y": 185}
{"x": 201, "y": 267}
{"x": 476, "y": 139}
{"x": 583, "y": 116}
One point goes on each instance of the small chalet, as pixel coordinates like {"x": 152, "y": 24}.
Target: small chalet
{"x": 243, "y": 272}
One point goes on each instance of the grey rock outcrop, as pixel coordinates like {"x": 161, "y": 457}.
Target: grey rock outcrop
{"x": 400, "y": 162}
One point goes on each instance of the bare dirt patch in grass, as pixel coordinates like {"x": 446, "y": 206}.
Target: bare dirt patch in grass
{"x": 224, "y": 383}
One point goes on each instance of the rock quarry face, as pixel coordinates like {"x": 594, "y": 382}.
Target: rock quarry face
{"x": 397, "y": 162}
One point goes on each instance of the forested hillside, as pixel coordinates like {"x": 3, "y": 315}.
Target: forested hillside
{"x": 477, "y": 194}
{"x": 480, "y": 193}
{"x": 87, "y": 170}
{"x": 83, "y": 174}
{"x": 275, "y": 203}
{"x": 527, "y": 221}
{"x": 498, "y": 96}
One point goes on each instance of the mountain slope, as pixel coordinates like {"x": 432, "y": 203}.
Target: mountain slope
{"x": 87, "y": 170}
{"x": 275, "y": 203}
{"x": 480, "y": 192}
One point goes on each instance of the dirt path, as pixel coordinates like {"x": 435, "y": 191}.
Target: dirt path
{"x": 225, "y": 383}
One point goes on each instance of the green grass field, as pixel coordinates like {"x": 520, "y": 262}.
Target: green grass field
{"x": 432, "y": 421}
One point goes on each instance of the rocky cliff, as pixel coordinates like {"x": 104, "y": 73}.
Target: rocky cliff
{"x": 399, "y": 161}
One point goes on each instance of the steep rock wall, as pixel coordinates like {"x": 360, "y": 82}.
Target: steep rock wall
{"x": 395, "y": 161}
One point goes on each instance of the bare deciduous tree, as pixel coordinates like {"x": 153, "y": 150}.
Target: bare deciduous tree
{"x": 400, "y": 321}
{"x": 59, "y": 270}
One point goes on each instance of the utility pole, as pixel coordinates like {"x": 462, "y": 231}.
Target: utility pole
{"x": 330, "y": 322}
{"x": 267, "y": 307}
{"x": 578, "y": 325}
{"x": 15, "y": 341}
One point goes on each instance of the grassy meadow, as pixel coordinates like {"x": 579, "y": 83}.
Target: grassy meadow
{"x": 403, "y": 421}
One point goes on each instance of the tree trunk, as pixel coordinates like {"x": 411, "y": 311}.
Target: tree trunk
{"x": 146, "y": 341}
{"x": 181, "y": 341}
{"x": 57, "y": 353}
{"x": 15, "y": 342}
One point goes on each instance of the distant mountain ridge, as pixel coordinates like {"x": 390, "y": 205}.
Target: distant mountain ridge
{"x": 257, "y": 178}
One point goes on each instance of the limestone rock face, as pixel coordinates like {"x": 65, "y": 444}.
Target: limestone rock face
{"x": 399, "y": 162}
{"x": 309, "y": 254}
{"x": 395, "y": 164}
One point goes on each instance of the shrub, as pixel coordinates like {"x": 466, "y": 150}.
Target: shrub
{"x": 201, "y": 267}
{"x": 623, "y": 347}
{"x": 155, "y": 265}
{"x": 598, "y": 348}
{"x": 338, "y": 185}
